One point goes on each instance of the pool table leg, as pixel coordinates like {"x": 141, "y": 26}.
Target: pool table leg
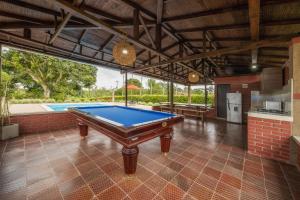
{"x": 165, "y": 141}
{"x": 83, "y": 129}
{"x": 130, "y": 159}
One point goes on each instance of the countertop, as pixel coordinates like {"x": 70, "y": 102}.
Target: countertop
{"x": 273, "y": 116}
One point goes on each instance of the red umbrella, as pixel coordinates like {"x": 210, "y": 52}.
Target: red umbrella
{"x": 132, "y": 87}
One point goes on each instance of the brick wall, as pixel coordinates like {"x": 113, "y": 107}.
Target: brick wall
{"x": 269, "y": 138}
{"x": 43, "y": 122}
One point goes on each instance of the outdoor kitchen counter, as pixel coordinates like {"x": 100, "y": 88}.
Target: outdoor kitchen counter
{"x": 272, "y": 116}
{"x": 269, "y": 135}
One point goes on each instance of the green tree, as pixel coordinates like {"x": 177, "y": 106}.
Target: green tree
{"x": 135, "y": 82}
{"x": 54, "y": 77}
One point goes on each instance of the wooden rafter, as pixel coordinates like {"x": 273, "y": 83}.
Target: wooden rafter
{"x": 218, "y": 11}
{"x": 92, "y": 19}
{"x": 224, "y": 51}
{"x": 147, "y": 31}
{"x": 62, "y": 24}
{"x": 254, "y": 18}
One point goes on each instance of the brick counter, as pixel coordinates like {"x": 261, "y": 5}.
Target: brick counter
{"x": 43, "y": 122}
{"x": 269, "y": 138}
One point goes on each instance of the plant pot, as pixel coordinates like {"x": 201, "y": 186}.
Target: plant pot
{"x": 9, "y": 131}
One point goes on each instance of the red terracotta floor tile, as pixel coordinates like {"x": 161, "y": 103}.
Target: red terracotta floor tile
{"x": 128, "y": 184}
{"x": 111, "y": 193}
{"x": 142, "y": 192}
{"x": 200, "y": 192}
{"x": 156, "y": 183}
{"x": 100, "y": 184}
{"x": 207, "y": 181}
{"x": 212, "y": 172}
{"x": 70, "y": 186}
{"x": 227, "y": 191}
{"x": 182, "y": 182}
{"x": 167, "y": 173}
{"x": 189, "y": 173}
{"x": 82, "y": 193}
{"x": 171, "y": 192}
{"x": 231, "y": 180}
{"x": 58, "y": 165}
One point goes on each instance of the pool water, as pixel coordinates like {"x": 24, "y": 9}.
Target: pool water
{"x": 64, "y": 107}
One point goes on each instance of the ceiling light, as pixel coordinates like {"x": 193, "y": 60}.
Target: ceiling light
{"x": 193, "y": 77}
{"x": 254, "y": 66}
{"x": 125, "y": 51}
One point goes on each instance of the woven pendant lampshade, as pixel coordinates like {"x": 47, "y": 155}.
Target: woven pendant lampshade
{"x": 193, "y": 77}
{"x": 124, "y": 53}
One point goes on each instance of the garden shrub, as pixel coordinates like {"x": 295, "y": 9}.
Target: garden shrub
{"x": 143, "y": 99}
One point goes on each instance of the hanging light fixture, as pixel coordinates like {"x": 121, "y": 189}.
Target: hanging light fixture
{"x": 124, "y": 53}
{"x": 193, "y": 77}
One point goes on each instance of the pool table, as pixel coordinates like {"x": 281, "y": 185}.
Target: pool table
{"x": 127, "y": 126}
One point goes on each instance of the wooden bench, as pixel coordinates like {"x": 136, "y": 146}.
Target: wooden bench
{"x": 191, "y": 113}
{"x": 188, "y": 112}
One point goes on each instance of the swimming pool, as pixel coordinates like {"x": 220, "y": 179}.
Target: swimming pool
{"x": 64, "y": 107}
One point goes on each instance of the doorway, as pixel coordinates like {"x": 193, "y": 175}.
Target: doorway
{"x": 222, "y": 90}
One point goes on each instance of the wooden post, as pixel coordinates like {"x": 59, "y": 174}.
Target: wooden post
{"x": 172, "y": 90}
{"x": 168, "y": 90}
{"x": 205, "y": 93}
{"x": 126, "y": 90}
{"x": 0, "y": 64}
{"x": 189, "y": 95}
{"x": 136, "y": 23}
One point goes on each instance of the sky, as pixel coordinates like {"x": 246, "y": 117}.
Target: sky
{"x": 109, "y": 78}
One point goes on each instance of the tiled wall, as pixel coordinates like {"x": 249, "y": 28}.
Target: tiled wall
{"x": 43, "y": 122}
{"x": 246, "y": 95}
{"x": 251, "y": 82}
{"x": 269, "y": 138}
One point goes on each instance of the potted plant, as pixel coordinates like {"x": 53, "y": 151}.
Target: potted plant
{"x": 7, "y": 129}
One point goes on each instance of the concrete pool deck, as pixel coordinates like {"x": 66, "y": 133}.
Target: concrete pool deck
{"x": 16, "y": 109}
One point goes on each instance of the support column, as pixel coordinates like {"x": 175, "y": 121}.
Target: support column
{"x": 168, "y": 90}
{"x": 0, "y": 63}
{"x": 295, "y": 75}
{"x": 172, "y": 90}
{"x": 130, "y": 155}
{"x": 205, "y": 94}
{"x": 126, "y": 90}
{"x": 189, "y": 95}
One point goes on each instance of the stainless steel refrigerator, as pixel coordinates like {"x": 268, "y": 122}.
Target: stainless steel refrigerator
{"x": 234, "y": 107}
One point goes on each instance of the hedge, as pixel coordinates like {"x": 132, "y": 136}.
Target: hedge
{"x": 147, "y": 99}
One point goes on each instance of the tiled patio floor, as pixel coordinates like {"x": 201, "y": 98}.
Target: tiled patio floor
{"x": 204, "y": 163}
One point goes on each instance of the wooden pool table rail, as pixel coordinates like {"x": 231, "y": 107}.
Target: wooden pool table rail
{"x": 130, "y": 138}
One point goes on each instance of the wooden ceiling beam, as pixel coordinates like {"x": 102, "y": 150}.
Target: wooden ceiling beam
{"x": 40, "y": 9}
{"x": 253, "y": 45}
{"x": 218, "y": 11}
{"x": 147, "y": 32}
{"x": 103, "y": 14}
{"x": 254, "y": 20}
{"x": 165, "y": 27}
{"x": 92, "y": 19}
{"x": 229, "y": 39}
{"x": 21, "y": 17}
{"x": 285, "y": 22}
{"x": 50, "y": 49}
{"x": 60, "y": 28}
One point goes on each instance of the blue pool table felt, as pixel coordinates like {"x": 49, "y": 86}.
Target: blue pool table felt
{"x": 124, "y": 116}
